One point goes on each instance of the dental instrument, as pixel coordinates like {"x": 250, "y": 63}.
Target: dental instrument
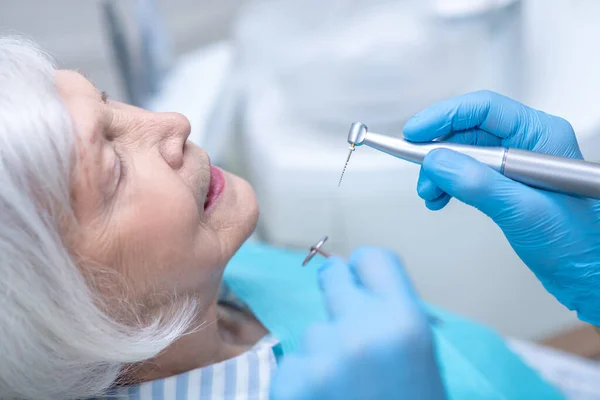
{"x": 352, "y": 147}
{"x": 316, "y": 249}
{"x": 542, "y": 171}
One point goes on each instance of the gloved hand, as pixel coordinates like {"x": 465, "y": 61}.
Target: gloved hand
{"x": 557, "y": 236}
{"x": 376, "y": 345}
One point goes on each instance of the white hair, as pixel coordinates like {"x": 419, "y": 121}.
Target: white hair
{"x": 57, "y": 340}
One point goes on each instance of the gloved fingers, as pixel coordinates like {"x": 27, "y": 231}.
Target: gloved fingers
{"x": 320, "y": 337}
{"x": 338, "y": 286}
{"x": 381, "y": 272}
{"x": 427, "y": 189}
{"x": 439, "y": 203}
{"x": 473, "y": 137}
{"x": 489, "y": 111}
{"x": 480, "y": 186}
{"x": 435, "y": 198}
{"x": 311, "y": 377}
{"x": 547, "y": 134}
{"x": 290, "y": 379}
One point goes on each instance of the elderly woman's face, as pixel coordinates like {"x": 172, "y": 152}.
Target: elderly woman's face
{"x": 148, "y": 203}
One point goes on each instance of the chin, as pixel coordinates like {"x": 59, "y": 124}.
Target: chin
{"x": 237, "y": 214}
{"x": 248, "y": 206}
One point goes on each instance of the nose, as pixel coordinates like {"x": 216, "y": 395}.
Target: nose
{"x": 177, "y": 129}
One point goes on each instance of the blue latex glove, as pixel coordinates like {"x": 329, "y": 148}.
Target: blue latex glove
{"x": 557, "y": 236}
{"x": 377, "y": 343}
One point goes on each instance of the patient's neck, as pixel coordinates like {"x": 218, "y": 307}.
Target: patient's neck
{"x": 224, "y": 333}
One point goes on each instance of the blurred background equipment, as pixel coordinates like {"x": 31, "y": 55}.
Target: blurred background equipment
{"x": 254, "y": 76}
{"x": 199, "y": 85}
{"x": 378, "y": 61}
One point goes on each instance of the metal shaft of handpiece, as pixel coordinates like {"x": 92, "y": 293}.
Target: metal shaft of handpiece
{"x": 557, "y": 174}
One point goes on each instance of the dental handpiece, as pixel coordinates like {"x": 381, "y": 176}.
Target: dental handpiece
{"x": 542, "y": 171}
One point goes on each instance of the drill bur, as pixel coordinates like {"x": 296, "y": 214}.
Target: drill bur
{"x": 352, "y": 147}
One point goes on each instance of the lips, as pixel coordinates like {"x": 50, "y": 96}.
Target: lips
{"x": 216, "y": 187}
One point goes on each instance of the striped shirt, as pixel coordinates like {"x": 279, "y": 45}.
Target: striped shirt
{"x": 245, "y": 377}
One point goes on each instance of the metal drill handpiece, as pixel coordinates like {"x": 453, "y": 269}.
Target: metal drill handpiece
{"x": 356, "y": 135}
{"x": 352, "y": 147}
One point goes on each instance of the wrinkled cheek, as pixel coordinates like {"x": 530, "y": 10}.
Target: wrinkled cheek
{"x": 190, "y": 255}
{"x": 208, "y": 264}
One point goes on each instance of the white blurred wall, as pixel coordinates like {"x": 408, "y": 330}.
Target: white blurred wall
{"x": 72, "y": 30}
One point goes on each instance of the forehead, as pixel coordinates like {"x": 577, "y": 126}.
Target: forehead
{"x": 83, "y": 102}
{"x": 72, "y": 83}
{"x": 85, "y": 108}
